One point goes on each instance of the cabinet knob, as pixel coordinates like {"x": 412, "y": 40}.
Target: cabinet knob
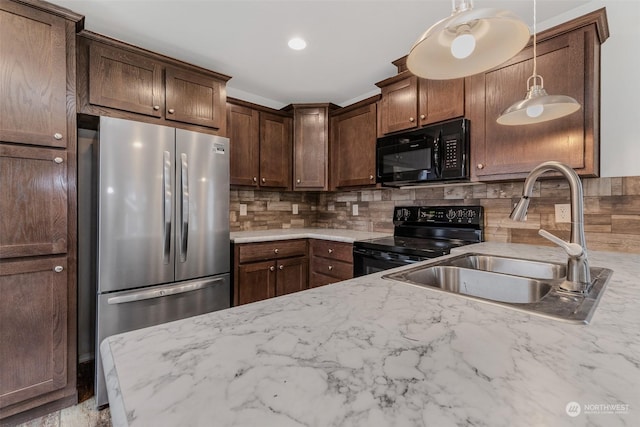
{"x": 264, "y": 180}
{"x": 411, "y": 119}
{"x": 422, "y": 116}
{"x": 255, "y": 179}
{"x": 480, "y": 166}
{"x": 156, "y": 107}
{"x": 171, "y": 111}
{"x": 330, "y": 251}
{"x": 57, "y": 136}
{"x": 370, "y": 177}
{"x": 57, "y": 160}
{"x": 281, "y": 267}
{"x": 275, "y": 251}
{"x": 272, "y": 268}
{"x": 58, "y": 269}
{"x": 330, "y": 267}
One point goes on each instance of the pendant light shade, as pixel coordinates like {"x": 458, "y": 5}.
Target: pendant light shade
{"x": 467, "y": 43}
{"x": 537, "y": 106}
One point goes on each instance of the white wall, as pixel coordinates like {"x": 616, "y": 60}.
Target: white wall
{"x": 620, "y": 85}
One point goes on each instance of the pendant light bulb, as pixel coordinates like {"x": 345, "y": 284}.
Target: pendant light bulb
{"x": 464, "y": 44}
{"x": 535, "y": 111}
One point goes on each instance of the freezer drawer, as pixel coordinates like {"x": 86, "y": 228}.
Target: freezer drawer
{"x": 125, "y": 311}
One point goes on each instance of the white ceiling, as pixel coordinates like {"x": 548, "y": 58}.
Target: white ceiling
{"x": 350, "y": 43}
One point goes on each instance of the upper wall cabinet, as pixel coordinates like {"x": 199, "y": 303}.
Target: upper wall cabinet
{"x": 125, "y": 81}
{"x": 353, "y": 145}
{"x": 410, "y": 102}
{"x": 311, "y": 146}
{"x": 117, "y": 79}
{"x": 33, "y": 93}
{"x": 260, "y": 146}
{"x": 569, "y": 61}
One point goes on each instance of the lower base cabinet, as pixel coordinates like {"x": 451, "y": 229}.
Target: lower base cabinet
{"x": 330, "y": 262}
{"x": 269, "y": 269}
{"x": 33, "y": 329}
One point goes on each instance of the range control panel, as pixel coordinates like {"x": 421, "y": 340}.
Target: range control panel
{"x": 472, "y": 215}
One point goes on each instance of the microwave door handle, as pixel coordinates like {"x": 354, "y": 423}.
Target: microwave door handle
{"x": 436, "y": 156}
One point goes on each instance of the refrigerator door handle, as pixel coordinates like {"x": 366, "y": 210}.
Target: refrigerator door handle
{"x": 166, "y": 200}
{"x": 158, "y": 293}
{"x": 184, "y": 207}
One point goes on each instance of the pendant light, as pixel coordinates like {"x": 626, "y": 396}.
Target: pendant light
{"x": 467, "y": 42}
{"x": 537, "y": 106}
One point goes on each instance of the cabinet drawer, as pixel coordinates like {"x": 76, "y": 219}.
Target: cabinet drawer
{"x": 271, "y": 250}
{"x": 333, "y": 250}
{"x": 338, "y": 269}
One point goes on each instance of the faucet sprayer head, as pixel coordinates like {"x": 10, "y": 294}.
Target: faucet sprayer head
{"x": 519, "y": 212}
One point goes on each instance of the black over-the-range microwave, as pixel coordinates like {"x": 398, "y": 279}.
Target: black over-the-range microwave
{"x": 434, "y": 153}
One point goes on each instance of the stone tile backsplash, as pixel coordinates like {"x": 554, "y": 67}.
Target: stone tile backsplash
{"x": 612, "y": 209}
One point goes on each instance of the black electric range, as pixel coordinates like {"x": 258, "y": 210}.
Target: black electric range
{"x": 420, "y": 233}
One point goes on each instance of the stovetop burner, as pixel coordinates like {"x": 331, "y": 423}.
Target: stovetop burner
{"x": 430, "y": 231}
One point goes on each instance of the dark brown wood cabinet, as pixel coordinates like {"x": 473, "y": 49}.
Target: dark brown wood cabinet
{"x": 33, "y": 332}
{"x": 353, "y": 145}
{"x": 34, "y": 188}
{"x": 125, "y": 81}
{"x": 260, "y": 142}
{"x": 121, "y": 80}
{"x": 410, "y": 102}
{"x": 569, "y": 61}
{"x": 194, "y": 98}
{"x": 38, "y": 213}
{"x": 330, "y": 262}
{"x": 268, "y": 269}
{"x": 33, "y": 94}
{"x": 311, "y": 146}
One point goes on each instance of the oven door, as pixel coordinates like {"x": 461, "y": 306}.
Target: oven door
{"x": 367, "y": 261}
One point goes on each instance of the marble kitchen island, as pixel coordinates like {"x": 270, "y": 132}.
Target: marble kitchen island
{"x": 373, "y": 352}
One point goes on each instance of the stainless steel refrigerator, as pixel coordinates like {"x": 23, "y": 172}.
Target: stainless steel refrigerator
{"x": 163, "y": 249}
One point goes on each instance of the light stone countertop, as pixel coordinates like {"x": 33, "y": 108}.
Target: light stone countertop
{"x": 373, "y": 352}
{"x": 338, "y": 235}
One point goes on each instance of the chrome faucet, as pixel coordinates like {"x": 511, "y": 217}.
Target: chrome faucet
{"x": 578, "y": 275}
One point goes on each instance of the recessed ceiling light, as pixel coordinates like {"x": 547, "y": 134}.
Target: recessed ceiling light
{"x": 297, "y": 43}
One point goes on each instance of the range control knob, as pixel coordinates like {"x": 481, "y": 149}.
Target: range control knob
{"x": 451, "y": 214}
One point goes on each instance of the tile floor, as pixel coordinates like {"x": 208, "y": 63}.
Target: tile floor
{"x": 81, "y": 415}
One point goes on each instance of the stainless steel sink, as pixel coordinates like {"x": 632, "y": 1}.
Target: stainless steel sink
{"x": 514, "y": 266}
{"x": 526, "y": 285}
{"x": 482, "y": 284}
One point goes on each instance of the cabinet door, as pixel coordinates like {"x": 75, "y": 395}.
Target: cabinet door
{"x": 194, "y": 98}
{"x": 256, "y": 281}
{"x": 33, "y": 201}
{"x": 244, "y": 144}
{"x": 292, "y": 275}
{"x": 33, "y": 328}
{"x": 310, "y": 148}
{"x": 33, "y": 100}
{"x": 440, "y": 100}
{"x": 568, "y": 63}
{"x": 399, "y": 106}
{"x": 275, "y": 151}
{"x": 353, "y": 148}
{"x": 125, "y": 81}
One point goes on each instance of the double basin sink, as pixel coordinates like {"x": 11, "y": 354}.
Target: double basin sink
{"x": 526, "y": 285}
